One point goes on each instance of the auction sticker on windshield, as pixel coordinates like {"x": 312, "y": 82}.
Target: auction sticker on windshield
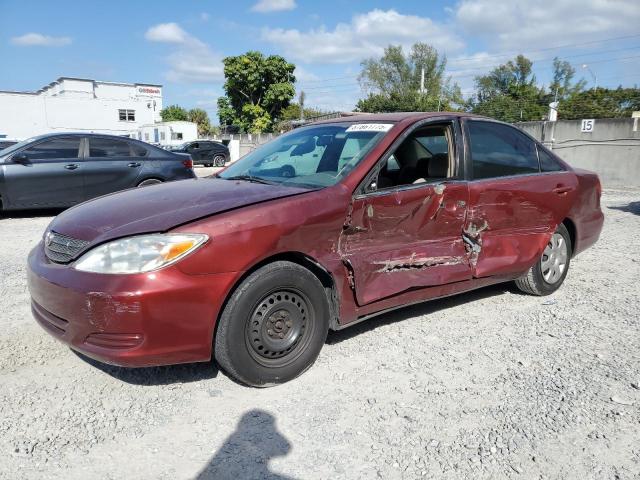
{"x": 370, "y": 127}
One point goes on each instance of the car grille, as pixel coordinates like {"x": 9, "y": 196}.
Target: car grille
{"x": 62, "y": 249}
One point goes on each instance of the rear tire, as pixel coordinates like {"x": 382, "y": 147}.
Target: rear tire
{"x": 546, "y": 276}
{"x": 149, "y": 181}
{"x": 273, "y": 326}
{"x": 219, "y": 161}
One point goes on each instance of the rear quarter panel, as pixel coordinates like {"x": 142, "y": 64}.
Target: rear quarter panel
{"x": 586, "y": 213}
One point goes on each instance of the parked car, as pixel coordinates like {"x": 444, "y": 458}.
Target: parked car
{"x": 60, "y": 170}
{"x": 4, "y": 143}
{"x": 205, "y": 152}
{"x": 256, "y": 264}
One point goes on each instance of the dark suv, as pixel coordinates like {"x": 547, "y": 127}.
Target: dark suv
{"x": 205, "y": 152}
{"x": 62, "y": 169}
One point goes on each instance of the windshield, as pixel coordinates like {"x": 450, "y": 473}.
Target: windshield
{"x": 17, "y": 146}
{"x": 312, "y": 157}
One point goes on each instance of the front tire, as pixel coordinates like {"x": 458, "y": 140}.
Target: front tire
{"x": 546, "y": 276}
{"x": 273, "y": 326}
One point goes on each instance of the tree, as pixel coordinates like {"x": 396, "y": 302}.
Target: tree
{"x": 174, "y": 113}
{"x": 509, "y": 93}
{"x": 201, "y": 118}
{"x": 394, "y": 81}
{"x": 600, "y": 103}
{"x": 257, "y": 89}
{"x": 561, "y": 86}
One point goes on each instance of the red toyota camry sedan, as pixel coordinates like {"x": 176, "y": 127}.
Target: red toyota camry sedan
{"x": 323, "y": 227}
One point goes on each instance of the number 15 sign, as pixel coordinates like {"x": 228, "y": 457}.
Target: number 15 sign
{"x": 587, "y": 125}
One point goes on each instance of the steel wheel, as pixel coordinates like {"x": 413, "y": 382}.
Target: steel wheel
{"x": 554, "y": 259}
{"x": 218, "y": 161}
{"x": 277, "y": 328}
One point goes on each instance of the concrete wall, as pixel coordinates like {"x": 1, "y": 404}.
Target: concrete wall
{"x": 612, "y": 149}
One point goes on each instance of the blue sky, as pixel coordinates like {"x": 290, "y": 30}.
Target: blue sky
{"x": 180, "y": 44}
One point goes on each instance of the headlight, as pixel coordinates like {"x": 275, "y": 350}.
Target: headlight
{"x": 139, "y": 254}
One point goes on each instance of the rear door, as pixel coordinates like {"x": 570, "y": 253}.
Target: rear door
{"x": 514, "y": 207}
{"x": 111, "y": 164}
{"x": 404, "y": 227}
{"x": 51, "y": 175}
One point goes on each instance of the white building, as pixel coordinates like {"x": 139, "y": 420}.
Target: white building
{"x": 80, "y": 105}
{"x": 168, "y": 133}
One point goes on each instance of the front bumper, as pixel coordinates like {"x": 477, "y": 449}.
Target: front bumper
{"x": 157, "y": 318}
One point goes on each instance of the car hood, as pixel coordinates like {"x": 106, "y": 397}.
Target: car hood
{"x": 158, "y": 208}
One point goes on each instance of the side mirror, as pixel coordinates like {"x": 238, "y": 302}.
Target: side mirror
{"x": 20, "y": 158}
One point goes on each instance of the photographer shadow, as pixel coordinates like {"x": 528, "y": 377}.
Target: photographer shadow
{"x": 248, "y": 450}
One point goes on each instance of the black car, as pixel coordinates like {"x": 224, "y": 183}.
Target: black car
{"x": 62, "y": 169}
{"x": 205, "y": 152}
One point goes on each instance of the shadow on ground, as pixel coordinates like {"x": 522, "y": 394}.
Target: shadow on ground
{"x": 631, "y": 207}
{"x": 417, "y": 310}
{"x": 154, "y": 376}
{"x": 247, "y": 451}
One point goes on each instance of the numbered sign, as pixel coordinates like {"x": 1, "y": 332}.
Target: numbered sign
{"x": 587, "y": 125}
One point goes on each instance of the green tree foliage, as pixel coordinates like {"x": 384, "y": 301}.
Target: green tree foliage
{"x": 174, "y": 113}
{"x": 509, "y": 93}
{"x": 257, "y": 89}
{"x": 393, "y": 81}
{"x": 201, "y": 118}
{"x": 562, "y": 85}
{"x": 600, "y": 103}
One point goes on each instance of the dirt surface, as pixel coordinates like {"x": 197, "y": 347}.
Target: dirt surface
{"x": 491, "y": 384}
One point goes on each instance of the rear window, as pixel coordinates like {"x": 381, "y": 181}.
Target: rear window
{"x": 548, "y": 163}
{"x": 107, "y": 148}
{"x": 499, "y": 150}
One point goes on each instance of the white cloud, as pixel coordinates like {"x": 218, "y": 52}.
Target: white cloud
{"x": 39, "y": 40}
{"x": 265, "y": 6}
{"x": 302, "y": 75}
{"x": 527, "y": 25}
{"x": 192, "y": 61}
{"x": 166, "y": 33}
{"x": 366, "y": 35}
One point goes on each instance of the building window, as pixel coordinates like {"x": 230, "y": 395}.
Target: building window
{"x": 162, "y": 136}
{"x": 127, "y": 115}
{"x": 146, "y": 137}
{"x": 176, "y": 135}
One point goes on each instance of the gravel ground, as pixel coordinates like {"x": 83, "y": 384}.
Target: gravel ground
{"x": 490, "y": 384}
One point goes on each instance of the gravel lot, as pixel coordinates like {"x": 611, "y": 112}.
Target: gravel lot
{"x": 491, "y": 384}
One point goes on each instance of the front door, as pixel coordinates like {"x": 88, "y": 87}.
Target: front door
{"x": 111, "y": 165}
{"x": 49, "y": 175}
{"x": 405, "y": 230}
{"x": 514, "y": 205}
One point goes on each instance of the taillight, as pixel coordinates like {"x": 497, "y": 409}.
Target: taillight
{"x": 188, "y": 163}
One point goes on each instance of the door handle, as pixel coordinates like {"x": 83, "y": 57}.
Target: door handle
{"x": 134, "y": 164}
{"x": 71, "y": 166}
{"x": 562, "y": 190}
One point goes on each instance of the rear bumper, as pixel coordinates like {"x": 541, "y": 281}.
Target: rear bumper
{"x": 159, "y": 318}
{"x": 589, "y": 231}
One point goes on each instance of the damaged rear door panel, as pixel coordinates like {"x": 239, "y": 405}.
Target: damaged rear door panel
{"x": 514, "y": 209}
{"x": 405, "y": 239}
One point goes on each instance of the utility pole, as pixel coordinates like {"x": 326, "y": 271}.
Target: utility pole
{"x": 422, "y": 80}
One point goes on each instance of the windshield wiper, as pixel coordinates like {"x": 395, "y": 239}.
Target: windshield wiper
{"x": 249, "y": 178}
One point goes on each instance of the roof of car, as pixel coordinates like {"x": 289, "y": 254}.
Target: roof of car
{"x": 394, "y": 117}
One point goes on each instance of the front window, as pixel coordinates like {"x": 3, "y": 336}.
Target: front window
{"x": 313, "y": 157}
